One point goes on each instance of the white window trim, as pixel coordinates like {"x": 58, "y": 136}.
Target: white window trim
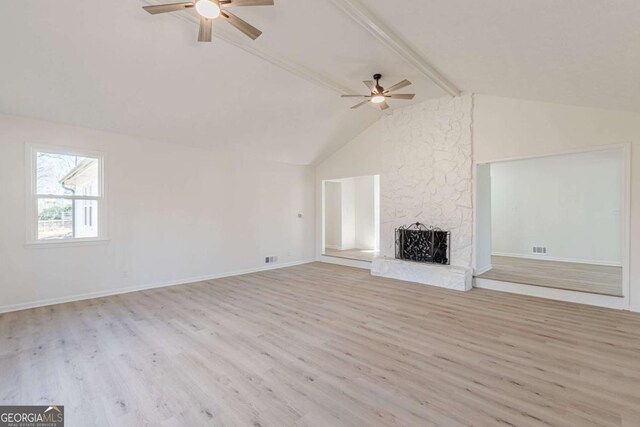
{"x": 31, "y": 197}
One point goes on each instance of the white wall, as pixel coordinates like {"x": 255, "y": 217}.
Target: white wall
{"x": 175, "y": 213}
{"x": 348, "y": 214}
{"x": 483, "y": 219}
{"x": 423, "y": 156}
{"x": 510, "y": 128}
{"x": 376, "y": 212}
{"x": 364, "y": 200}
{"x": 333, "y": 215}
{"x": 570, "y": 204}
{"x": 359, "y": 157}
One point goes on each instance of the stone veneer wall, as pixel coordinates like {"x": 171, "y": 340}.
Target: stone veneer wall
{"x": 427, "y": 172}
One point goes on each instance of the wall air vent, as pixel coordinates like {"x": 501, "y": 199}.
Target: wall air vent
{"x": 540, "y": 250}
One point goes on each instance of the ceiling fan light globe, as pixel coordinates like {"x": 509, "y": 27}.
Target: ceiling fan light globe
{"x": 378, "y": 99}
{"x": 208, "y": 9}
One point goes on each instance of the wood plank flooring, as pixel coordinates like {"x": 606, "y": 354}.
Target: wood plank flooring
{"x": 324, "y": 345}
{"x": 596, "y": 279}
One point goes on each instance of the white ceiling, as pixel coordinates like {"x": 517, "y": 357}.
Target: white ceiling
{"x": 109, "y": 65}
{"x": 580, "y": 52}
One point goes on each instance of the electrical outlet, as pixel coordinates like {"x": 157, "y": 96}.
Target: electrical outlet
{"x": 266, "y": 260}
{"x": 540, "y": 250}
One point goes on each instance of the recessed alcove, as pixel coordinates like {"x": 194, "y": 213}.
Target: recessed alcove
{"x": 351, "y": 212}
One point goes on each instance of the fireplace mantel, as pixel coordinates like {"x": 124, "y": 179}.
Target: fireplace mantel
{"x": 444, "y": 276}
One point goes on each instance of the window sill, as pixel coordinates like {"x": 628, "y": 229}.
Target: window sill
{"x": 65, "y": 243}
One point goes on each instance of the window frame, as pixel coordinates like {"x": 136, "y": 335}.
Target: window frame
{"x": 32, "y": 196}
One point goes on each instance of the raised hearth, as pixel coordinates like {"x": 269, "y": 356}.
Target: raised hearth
{"x": 444, "y": 276}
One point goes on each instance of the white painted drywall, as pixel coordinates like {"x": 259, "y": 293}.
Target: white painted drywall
{"x": 376, "y": 211}
{"x": 483, "y": 219}
{"x": 364, "y": 201}
{"x": 359, "y": 157}
{"x": 570, "y": 204}
{"x": 333, "y": 215}
{"x": 174, "y": 213}
{"x": 348, "y": 214}
{"x": 510, "y": 128}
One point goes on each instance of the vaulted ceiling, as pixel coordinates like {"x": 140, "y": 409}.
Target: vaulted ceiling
{"x": 109, "y": 65}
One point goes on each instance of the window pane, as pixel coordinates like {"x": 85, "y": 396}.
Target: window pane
{"x": 86, "y": 218}
{"x": 67, "y": 219}
{"x": 62, "y": 174}
{"x": 55, "y": 219}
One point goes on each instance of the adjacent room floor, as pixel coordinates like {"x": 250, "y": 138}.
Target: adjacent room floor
{"x": 322, "y": 344}
{"x": 358, "y": 254}
{"x": 596, "y": 279}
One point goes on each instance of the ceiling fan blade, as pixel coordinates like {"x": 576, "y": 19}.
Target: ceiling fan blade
{"x": 397, "y": 86}
{"x": 360, "y": 104}
{"x": 173, "y": 7}
{"x": 370, "y": 84}
{"x": 243, "y": 26}
{"x": 401, "y": 96}
{"x": 355, "y": 96}
{"x": 204, "y": 33}
{"x": 236, "y": 3}
{"x": 383, "y": 105}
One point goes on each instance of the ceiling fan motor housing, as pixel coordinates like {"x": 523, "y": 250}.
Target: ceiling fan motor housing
{"x": 377, "y": 77}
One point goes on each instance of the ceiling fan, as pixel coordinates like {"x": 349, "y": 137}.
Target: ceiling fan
{"x": 208, "y": 10}
{"x": 379, "y": 95}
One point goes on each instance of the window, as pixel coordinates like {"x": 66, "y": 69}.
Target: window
{"x": 67, "y": 201}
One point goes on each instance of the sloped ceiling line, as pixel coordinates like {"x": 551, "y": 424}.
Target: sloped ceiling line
{"x": 361, "y": 15}
{"x": 266, "y": 55}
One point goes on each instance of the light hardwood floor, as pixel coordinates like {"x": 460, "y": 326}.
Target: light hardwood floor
{"x": 324, "y": 345}
{"x": 596, "y": 279}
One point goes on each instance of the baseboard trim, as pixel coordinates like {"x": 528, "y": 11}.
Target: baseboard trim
{"x": 559, "y": 259}
{"x": 619, "y": 303}
{"x": 635, "y": 308}
{"x": 483, "y": 270}
{"x": 120, "y": 291}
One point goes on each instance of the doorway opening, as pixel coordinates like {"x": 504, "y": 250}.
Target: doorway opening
{"x": 351, "y": 217}
{"x": 555, "y": 221}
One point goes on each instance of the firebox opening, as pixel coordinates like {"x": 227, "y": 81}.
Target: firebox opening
{"x": 420, "y": 243}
